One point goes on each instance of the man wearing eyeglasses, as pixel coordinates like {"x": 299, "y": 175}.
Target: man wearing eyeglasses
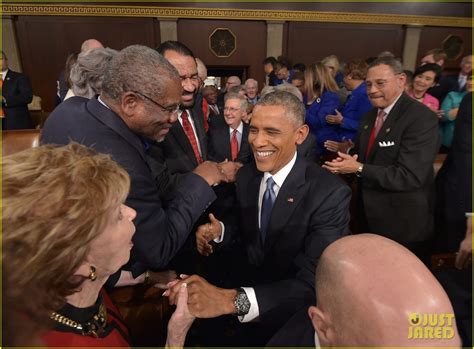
{"x": 394, "y": 152}
{"x": 138, "y": 105}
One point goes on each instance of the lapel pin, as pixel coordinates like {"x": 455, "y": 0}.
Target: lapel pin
{"x": 290, "y": 200}
{"x": 366, "y": 127}
{"x": 387, "y": 130}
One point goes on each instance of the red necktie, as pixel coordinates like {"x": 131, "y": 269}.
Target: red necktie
{"x": 234, "y": 145}
{"x": 188, "y": 129}
{"x": 375, "y": 131}
{"x": 205, "y": 113}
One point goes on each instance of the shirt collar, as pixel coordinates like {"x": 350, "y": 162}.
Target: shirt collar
{"x": 4, "y": 74}
{"x": 388, "y": 109}
{"x": 281, "y": 175}
{"x": 239, "y": 129}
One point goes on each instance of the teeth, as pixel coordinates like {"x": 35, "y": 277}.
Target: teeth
{"x": 264, "y": 153}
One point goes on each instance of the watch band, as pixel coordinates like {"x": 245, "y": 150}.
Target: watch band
{"x": 241, "y": 303}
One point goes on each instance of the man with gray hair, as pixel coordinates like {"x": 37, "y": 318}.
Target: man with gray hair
{"x": 393, "y": 159}
{"x": 288, "y": 211}
{"x": 251, "y": 91}
{"x": 141, "y": 94}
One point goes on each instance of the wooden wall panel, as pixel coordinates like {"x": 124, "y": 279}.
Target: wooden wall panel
{"x": 45, "y": 42}
{"x": 310, "y": 42}
{"x": 433, "y": 37}
{"x": 251, "y": 43}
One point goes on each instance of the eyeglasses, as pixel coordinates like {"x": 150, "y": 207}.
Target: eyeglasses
{"x": 379, "y": 84}
{"x": 172, "y": 109}
{"x": 232, "y": 110}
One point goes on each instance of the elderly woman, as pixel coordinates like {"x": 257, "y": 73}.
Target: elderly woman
{"x": 87, "y": 73}
{"x": 321, "y": 99}
{"x": 65, "y": 231}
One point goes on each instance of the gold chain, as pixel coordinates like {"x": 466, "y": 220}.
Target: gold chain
{"x": 93, "y": 327}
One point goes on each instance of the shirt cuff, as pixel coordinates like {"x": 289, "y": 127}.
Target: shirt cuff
{"x": 220, "y": 238}
{"x": 253, "y": 311}
{"x": 469, "y": 214}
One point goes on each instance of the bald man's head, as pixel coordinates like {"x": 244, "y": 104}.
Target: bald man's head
{"x": 367, "y": 287}
{"x": 91, "y": 44}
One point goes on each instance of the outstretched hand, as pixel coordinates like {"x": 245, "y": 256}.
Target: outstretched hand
{"x": 206, "y": 233}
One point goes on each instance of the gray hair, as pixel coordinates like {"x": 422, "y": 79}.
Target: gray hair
{"x": 251, "y": 80}
{"x": 87, "y": 74}
{"x": 286, "y": 87}
{"x": 294, "y": 108}
{"x": 392, "y": 62}
{"x": 243, "y": 101}
{"x": 138, "y": 68}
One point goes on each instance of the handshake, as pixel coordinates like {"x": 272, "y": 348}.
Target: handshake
{"x": 214, "y": 173}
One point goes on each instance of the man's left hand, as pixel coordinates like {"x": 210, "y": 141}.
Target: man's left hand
{"x": 343, "y": 164}
{"x": 204, "y": 300}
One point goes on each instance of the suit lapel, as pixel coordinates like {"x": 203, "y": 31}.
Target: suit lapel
{"x": 198, "y": 119}
{"x": 287, "y": 200}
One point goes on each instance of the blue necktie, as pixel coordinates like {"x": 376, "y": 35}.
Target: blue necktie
{"x": 267, "y": 205}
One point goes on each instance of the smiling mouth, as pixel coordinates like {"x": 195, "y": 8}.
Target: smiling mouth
{"x": 264, "y": 154}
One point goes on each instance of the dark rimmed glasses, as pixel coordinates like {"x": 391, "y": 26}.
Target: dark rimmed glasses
{"x": 172, "y": 109}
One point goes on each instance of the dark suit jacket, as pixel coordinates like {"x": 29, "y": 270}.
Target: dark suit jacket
{"x": 397, "y": 180}
{"x": 219, "y": 144}
{"x": 310, "y": 212}
{"x": 443, "y": 87}
{"x": 17, "y": 92}
{"x": 297, "y": 332}
{"x": 160, "y": 233}
{"x": 454, "y": 182}
{"x": 177, "y": 152}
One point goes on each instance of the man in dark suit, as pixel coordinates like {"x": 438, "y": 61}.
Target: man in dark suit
{"x": 229, "y": 140}
{"x": 395, "y": 149}
{"x": 186, "y": 145}
{"x": 289, "y": 210}
{"x": 16, "y": 94}
{"x": 138, "y": 105}
{"x": 459, "y": 80}
{"x": 369, "y": 290}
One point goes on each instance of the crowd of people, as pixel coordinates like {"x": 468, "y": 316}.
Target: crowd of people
{"x": 245, "y": 193}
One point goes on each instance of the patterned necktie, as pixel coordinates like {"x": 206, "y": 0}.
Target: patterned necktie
{"x": 267, "y": 205}
{"x": 375, "y": 131}
{"x": 234, "y": 145}
{"x": 188, "y": 130}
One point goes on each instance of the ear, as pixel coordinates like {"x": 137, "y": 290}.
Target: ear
{"x": 301, "y": 134}
{"x": 129, "y": 104}
{"x": 321, "y": 324}
{"x": 402, "y": 78}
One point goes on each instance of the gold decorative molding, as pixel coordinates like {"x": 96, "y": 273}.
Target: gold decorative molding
{"x": 235, "y": 14}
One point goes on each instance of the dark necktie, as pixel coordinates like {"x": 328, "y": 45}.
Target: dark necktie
{"x": 375, "y": 131}
{"x": 267, "y": 206}
{"x": 188, "y": 130}
{"x": 234, "y": 145}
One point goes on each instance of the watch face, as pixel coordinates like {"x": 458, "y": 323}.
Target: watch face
{"x": 242, "y": 303}
{"x": 222, "y": 42}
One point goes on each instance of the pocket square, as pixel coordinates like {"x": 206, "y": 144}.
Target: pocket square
{"x": 386, "y": 144}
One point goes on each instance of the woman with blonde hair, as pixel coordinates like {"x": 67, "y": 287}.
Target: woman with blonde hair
{"x": 321, "y": 99}
{"x": 65, "y": 231}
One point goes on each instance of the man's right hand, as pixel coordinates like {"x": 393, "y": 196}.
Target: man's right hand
{"x": 206, "y": 233}
{"x": 210, "y": 172}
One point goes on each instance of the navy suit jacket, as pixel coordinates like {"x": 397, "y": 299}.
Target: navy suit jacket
{"x": 397, "y": 179}
{"x": 310, "y": 212}
{"x": 219, "y": 144}
{"x": 160, "y": 233}
{"x": 16, "y": 91}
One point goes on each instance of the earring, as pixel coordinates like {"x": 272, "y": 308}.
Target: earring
{"x": 92, "y": 274}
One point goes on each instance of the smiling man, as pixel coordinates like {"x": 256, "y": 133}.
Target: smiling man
{"x": 289, "y": 211}
{"x": 394, "y": 152}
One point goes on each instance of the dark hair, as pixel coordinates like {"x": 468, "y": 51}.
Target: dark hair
{"x": 409, "y": 75}
{"x": 392, "y": 62}
{"x": 299, "y": 67}
{"x": 298, "y": 75}
{"x": 270, "y": 60}
{"x": 282, "y": 62}
{"x": 175, "y": 46}
{"x": 357, "y": 68}
{"x": 429, "y": 67}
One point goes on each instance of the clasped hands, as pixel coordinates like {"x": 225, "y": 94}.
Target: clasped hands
{"x": 343, "y": 164}
{"x": 214, "y": 173}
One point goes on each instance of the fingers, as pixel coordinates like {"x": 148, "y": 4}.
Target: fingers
{"x": 212, "y": 218}
{"x": 182, "y": 298}
{"x": 461, "y": 260}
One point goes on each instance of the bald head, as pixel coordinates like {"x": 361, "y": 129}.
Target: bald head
{"x": 367, "y": 287}
{"x": 232, "y": 81}
{"x": 91, "y": 44}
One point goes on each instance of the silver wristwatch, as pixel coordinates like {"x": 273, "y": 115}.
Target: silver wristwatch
{"x": 358, "y": 173}
{"x": 241, "y": 303}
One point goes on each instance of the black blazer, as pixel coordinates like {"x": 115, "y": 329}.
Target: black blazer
{"x": 397, "y": 180}
{"x": 310, "y": 212}
{"x": 160, "y": 233}
{"x": 16, "y": 91}
{"x": 219, "y": 144}
{"x": 177, "y": 152}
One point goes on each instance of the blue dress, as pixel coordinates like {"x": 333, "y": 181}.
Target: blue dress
{"x": 316, "y": 118}
{"x": 356, "y": 106}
